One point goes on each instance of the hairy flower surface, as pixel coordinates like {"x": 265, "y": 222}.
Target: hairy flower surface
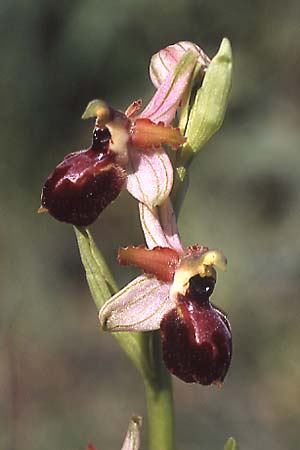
{"x": 127, "y": 149}
{"x": 174, "y": 296}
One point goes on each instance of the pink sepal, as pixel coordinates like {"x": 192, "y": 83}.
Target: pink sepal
{"x": 149, "y": 176}
{"x": 139, "y": 306}
{"x": 163, "y": 105}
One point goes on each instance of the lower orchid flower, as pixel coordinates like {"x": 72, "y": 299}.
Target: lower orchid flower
{"x": 126, "y": 149}
{"x": 173, "y": 295}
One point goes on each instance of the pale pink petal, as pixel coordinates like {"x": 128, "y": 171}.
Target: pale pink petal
{"x": 157, "y": 230}
{"x": 153, "y": 232}
{"x": 166, "y": 60}
{"x": 139, "y": 306}
{"x": 149, "y": 176}
{"x": 169, "y": 225}
{"x": 163, "y": 106}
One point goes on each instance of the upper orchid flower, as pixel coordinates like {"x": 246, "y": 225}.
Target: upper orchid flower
{"x": 126, "y": 147}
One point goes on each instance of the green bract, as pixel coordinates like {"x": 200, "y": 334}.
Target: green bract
{"x": 210, "y": 104}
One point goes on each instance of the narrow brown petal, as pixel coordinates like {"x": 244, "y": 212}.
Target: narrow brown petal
{"x": 147, "y": 134}
{"x": 160, "y": 261}
{"x": 133, "y": 108}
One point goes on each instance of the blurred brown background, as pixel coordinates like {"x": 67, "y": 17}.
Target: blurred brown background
{"x": 62, "y": 382}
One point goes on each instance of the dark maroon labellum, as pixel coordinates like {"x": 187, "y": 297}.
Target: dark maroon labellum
{"x": 196, "y": 336}
{"x": 84, "y": 183}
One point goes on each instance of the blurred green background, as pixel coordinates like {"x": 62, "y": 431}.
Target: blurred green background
{"x": 63, "y": 383}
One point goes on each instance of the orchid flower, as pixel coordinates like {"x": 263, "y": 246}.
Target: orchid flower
{"x": 173, "y": 296}
{"x": 126, "y": 149}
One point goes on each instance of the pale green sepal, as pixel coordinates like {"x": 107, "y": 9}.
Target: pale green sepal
{"x": 94, "y": 109}
{"x": 210, "y": 104}
{"x": 133, "y": 437}
{"x": 231, "y": 444}
{"x": 102, "y": 286}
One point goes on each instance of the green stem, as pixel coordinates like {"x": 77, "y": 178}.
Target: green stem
{"x": 159, "y": 394}
{"x": 102, "y": 287}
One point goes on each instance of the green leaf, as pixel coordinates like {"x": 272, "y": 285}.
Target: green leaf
{"x": 231, "y": 444}
{"x": 210, "y": 104}
{"x": 102, "y": 287}
{"x": 99, "y": 278}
